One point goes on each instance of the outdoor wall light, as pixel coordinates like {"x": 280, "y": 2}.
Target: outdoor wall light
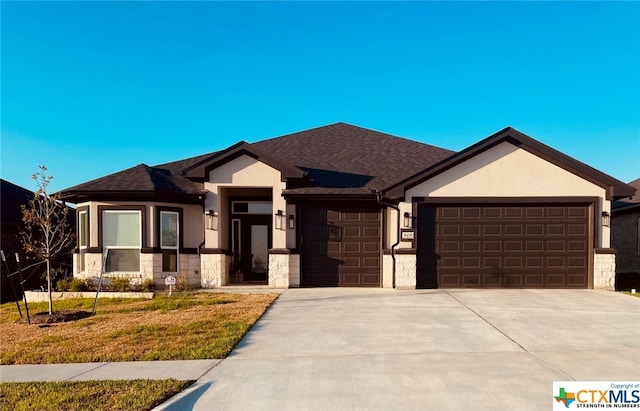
{"x": 292, "y": 221}
{"x": 606, "y": 219}
{"x": 279, "y": 220}
{"x": 212, "y": 220}
{"x": 408, "y": 220}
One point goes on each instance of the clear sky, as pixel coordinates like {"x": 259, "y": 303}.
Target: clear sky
{"x": 91, "y": 88}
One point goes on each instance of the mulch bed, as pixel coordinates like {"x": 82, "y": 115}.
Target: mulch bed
{"x": 56, "y": 317}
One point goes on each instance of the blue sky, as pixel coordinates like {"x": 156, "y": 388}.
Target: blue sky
{"x": 91, "y": 88}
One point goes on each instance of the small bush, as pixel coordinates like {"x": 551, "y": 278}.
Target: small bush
{"x": 182, "y": 283}
{"x": 62, "y": 285}
{"x": 76, "y": 284}
{"x": 148, "y": 285}
{"x": 120, "y": 283}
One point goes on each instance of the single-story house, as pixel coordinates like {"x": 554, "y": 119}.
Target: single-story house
{"x": 625, "y": 238}
{"x": 341, "y": 205}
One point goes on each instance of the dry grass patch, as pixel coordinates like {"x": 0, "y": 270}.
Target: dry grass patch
{"x": 88, "y": 395}
{"x": 180, "y": 327}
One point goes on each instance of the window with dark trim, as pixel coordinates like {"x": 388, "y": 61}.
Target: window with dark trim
{"x": 169, "y": 235}
{"x": 122, "y": 239}
{"x": 83, "y": 237}
{"x": 169, "y": 229}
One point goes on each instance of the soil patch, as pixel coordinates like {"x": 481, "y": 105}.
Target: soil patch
{"x": 57, "y": 317}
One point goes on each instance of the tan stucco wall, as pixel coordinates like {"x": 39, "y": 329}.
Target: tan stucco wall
{"x": 191, "y": 215}
{"x": 242, "y": 172}
{"x": 508, "y": 171}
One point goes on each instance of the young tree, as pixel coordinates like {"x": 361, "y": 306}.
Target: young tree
{"x": 46, "y": 232}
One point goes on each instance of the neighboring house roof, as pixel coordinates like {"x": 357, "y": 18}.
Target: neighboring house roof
{"x": 12, "y": 197}
{"x": 614, "y": 188}
{"x": 630, "y": 203}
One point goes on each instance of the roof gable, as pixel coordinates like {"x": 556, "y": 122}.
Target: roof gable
{"x": 200, "y": 170}
{"x": 613, "y": 187}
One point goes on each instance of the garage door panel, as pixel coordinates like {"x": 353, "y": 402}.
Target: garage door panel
{"x": 510, "y": 245}
{"x": 340, "y": 246}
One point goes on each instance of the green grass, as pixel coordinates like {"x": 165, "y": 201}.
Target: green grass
{"x": 181, "y": 327}
{"x": 637, "y": 294}
{"x": 88, "y": 395}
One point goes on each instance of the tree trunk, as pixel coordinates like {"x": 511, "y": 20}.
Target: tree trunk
{"x": 49, "y": 289}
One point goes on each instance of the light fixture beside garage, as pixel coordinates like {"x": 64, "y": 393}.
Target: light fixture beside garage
{"x": 408, "y": 220}
{"x": 606, "y": 219}
{"x": 292, "y": 221}
{"x": 279, "y": 220}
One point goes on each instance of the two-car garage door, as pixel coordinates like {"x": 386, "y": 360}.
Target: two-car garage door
{"x": 503, "y": 245}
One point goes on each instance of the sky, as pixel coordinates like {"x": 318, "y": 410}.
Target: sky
{"x": 92, "y": 88}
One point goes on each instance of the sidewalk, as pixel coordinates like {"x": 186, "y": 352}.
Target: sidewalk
{"x": 180, "y": 370}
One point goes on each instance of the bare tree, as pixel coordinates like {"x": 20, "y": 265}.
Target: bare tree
{"x": 46, "y": 232}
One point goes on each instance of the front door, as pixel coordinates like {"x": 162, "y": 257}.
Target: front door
{"x": 251, "y": 242}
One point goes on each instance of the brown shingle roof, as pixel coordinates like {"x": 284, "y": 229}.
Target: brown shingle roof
{"x": 627, "y": 204}
{"x": 141, "y": 181}
{"x": 345, "y": 159}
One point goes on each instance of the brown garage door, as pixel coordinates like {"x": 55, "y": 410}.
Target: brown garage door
{"x": 340, "y": 247}
{"x": 533, "y": 245}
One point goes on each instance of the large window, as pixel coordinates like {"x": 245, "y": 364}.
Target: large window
{"x": 169, "y": 241}
{"x": 83, "y": 238}
{"x": 122, "y": 239}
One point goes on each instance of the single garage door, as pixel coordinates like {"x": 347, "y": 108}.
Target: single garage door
{"x": 503, "y": 245}
{"x": 340, "y": 247}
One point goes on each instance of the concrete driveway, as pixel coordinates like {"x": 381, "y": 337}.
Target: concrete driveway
{"x": 374, "y": 349}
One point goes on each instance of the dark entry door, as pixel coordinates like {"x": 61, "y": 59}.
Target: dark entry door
{"x": 251, "y": 243}
{"x": 503, "y": 245}
{"x": 340, "y": 247}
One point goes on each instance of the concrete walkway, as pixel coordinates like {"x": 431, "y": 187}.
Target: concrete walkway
{"x": 373, "y": 349}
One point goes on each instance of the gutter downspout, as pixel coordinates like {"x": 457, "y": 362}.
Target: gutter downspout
{"x": 393, "y": 247}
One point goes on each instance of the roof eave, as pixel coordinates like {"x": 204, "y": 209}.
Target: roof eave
{"x": 614, "y": 188}
{"x": 75, "y": 196}
{"x": 201, "y": 170}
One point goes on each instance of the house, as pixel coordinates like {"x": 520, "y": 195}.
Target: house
{"x": 12, "y": 198}
{"x": 625, "y": 239}
{"x": 341, "y": 205}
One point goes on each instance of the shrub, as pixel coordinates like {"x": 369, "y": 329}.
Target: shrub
{"x": 120, "y": 283}
{"x": 182, "y": 283}
{"x": 76, "y": 284}
{"x": 148, "y": 285}
{"x": 62, "y": 285}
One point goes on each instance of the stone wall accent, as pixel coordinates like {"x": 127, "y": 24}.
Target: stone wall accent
{"x": 279, "y": 265}
{"x": 604, "y": 269}
{"x": 190, "y": 268}
{"x": 405, "y": 271}
{"x": 151, "y": 267}
{"x": 92, "y": 265}
{"x": 214, "y": 270}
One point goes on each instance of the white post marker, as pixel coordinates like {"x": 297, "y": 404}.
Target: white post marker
{"x": 170, "y": 281}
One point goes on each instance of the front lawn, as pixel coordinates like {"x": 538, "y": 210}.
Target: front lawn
{"x": 181, "y": 327}
{"x": 88, "y": 395}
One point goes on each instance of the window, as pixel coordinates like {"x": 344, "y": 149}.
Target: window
{"x": 169, "y": 232}
{"x": 122, "y": 239}
{"x": 83, "y": 233}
